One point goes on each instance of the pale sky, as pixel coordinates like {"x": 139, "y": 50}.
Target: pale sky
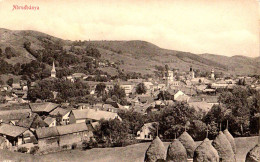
{"x": 225, "y": 27}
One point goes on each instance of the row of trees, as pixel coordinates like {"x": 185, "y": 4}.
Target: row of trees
{"x": 66, "y": 90}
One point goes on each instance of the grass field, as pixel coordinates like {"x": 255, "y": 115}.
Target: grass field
{"x": 133, "y": 153}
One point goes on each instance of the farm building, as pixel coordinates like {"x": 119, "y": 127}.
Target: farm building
{"x": 16, "y": 135}
{"x": 91, "y": 115}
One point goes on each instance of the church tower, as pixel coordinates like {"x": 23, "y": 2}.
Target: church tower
{"x": 212, "y": 75}
{"x": 192, "y": 74}
{"x": 53, "y": 71}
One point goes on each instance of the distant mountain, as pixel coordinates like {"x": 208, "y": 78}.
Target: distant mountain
{"x": 135, "y": 56}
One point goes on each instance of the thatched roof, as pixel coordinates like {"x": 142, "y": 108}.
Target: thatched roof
{"x": 254, "y": 154}
{"x": 231, "y": 140}
{"x": 205, "y": 152}
{"x": 223, "y": 146}
{"x": 176, "y": 152}
{"x": 188, "y": 143}
{"x": 155, "y": 151}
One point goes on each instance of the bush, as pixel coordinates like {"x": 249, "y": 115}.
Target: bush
{"x": 34, "y": 149}
{"x": 64, "y": 146}
{"x": 23, "y": 149}
{"x": 74, "y": 146}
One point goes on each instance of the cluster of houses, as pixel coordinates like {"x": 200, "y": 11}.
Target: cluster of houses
{"x": 49, "y": 125}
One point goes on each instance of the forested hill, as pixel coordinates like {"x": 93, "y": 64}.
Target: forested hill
{"x": 132, "y": 56}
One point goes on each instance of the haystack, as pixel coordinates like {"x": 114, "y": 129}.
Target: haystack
{"x": 223, "y": 146}
{"x": 254, "y": 154}
{"x": 205, "y": 152}
{"x": 188, "y": 143}
{"x": 156, "y": 151}
{"x": 176, "y": 152}
{"x": 231, "y": 140}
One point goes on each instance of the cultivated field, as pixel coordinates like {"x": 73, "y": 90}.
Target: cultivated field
{"x": 127, "y": 154}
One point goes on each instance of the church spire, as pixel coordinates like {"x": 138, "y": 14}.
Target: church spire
{"x": 53, "y": 71}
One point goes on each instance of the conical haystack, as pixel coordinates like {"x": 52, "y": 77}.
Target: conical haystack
{"x": 223, "y": 146}
{"x": 254, "y": 154}
{"x": 231, "y": 140}
{"x": 188, "y": 143}
{"x": 205, "y": 152}
{"x": 155, "y": 151}
{"x": 176, "y": 152}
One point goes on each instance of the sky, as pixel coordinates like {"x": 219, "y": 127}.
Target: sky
{"x": 226, "y": 27}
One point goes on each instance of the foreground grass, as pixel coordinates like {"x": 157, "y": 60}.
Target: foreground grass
{"x": 132, "y": 153}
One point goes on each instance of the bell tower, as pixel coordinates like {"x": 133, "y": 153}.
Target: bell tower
{"x": 53, "y": 71}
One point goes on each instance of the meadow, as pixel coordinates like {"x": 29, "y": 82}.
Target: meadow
{"x": 132, "y": 153}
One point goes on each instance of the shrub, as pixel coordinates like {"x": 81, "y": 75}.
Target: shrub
{"x": 34, "y": 149}
{"x": 64, "y": 146}
{"x": 22, "y": 149}
{"x": 74, "y": 146}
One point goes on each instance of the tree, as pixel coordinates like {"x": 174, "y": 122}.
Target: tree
{"x": 114, "y": 132}
{"x": 10, "y": 81}
{"x": 173, "y": 119}
{"x": 118, "y": 92}
{"x": 141, "y": 88}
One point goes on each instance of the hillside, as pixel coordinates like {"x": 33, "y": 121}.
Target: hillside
{"x": 135, "y": 56}
{"x": 237, "y": 64}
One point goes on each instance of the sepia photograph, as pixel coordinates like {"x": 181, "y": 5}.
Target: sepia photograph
{"x": 129, "y": 81}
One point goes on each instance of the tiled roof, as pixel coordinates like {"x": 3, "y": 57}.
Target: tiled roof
{"x": 49, "y": 120}
{"x": 60, "y": 111}
{"x": 93, "y": 114}
{"x": 11, "y": 130}
{"x": 47, "y": 132}
{"x": 61, "y": 130}
{"x": 8, "y": 115}
{"x": 43, "y": 107}
{"x": 34, "y": 121}
{"x": 72, "y": 128}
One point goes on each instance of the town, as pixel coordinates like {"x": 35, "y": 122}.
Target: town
{"x": 38, "y": 118}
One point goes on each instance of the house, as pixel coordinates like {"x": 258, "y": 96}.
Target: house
{"x": 47, "y": 138}
{"x": 91, "y": 115}
{"x": 145, "y": 132}
{"x": 148, "y": 85}
{"x": 78, "y": 75}
{"x": 13, "y": 116}
{"x": 127, "y": 86}
{"x": 16, "y": 135}
{"x": 145, "y": 99}
{"x": 43, "y": 108}
{"x": 63, "y": 136}
{"x": 182, "y": 98}
{"x": 74, "y": 133}
{"x": 50, "y": 122}
{"x": 4, "y": 143}
{"x": 64, "y": 114}
{"x": 200, "y": 106}
{"x": 175, "y": 93}
{"x": 32, "y": 122}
